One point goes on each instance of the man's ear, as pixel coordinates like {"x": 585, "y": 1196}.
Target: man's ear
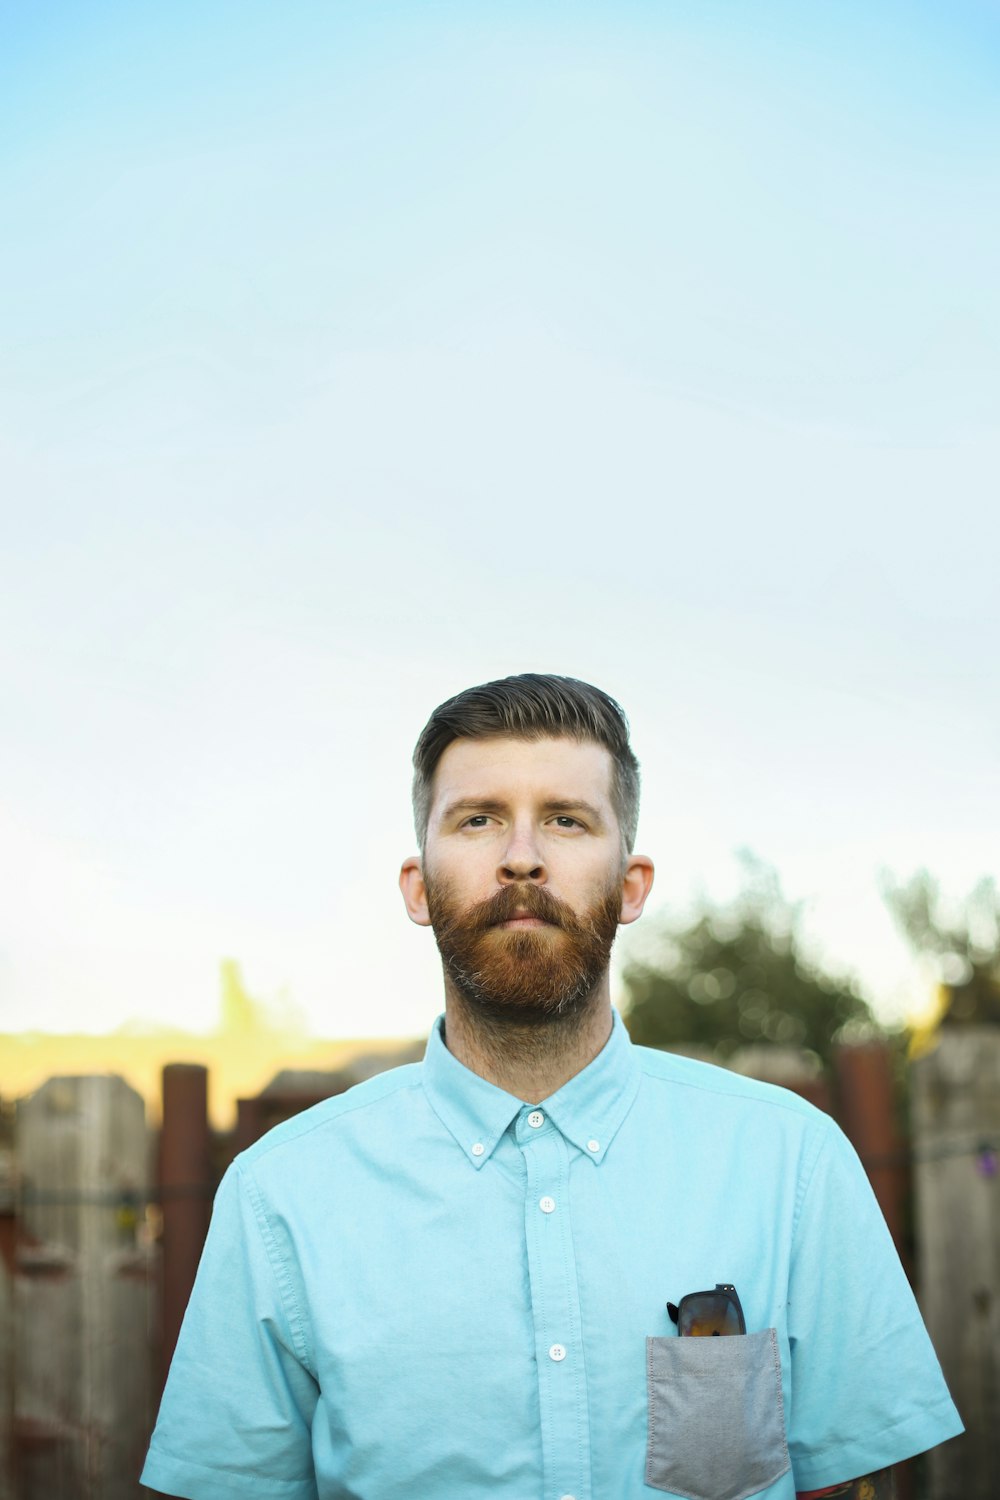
{"x": 411, "y": 883}
{"x": 637, "y": 882}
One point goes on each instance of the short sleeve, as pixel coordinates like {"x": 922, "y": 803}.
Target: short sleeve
{"x": 866, "y": 1387}
{"x": 237, "y": 1410}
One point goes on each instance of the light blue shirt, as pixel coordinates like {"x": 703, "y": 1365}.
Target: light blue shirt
{"x": 426, "y": 1288}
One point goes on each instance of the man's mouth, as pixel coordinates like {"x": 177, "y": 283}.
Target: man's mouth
{"x": 522, "y": 920}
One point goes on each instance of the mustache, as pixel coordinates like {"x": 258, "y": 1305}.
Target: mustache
{"x": 532, "y": 900}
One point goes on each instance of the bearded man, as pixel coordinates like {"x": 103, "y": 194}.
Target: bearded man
{"x": 486, "y": 1274}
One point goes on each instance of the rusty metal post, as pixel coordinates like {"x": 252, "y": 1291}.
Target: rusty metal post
{"x": 867, "y": 1114}
{"x": 185, "y": 1191}
{"x": 249, "y": 1122}
{"x": 866, "y": 1098}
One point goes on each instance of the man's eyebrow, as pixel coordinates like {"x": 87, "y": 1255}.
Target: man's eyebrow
{"x": 552, "y": 805}
{"x": 573, "y": 805}
{"x": 471, "y": 804}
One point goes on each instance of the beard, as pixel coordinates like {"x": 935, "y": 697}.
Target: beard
{"x": 535, "y": 977}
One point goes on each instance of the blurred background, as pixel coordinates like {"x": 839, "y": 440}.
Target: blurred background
{"x": 353, "y": 354}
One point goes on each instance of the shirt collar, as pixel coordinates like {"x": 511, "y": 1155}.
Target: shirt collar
{"x": 588, "y": 1110}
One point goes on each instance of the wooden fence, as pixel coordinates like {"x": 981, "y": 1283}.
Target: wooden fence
{"x": 956, "y": 1145}
{"x": 101, "y": 1227}
{"x": 78, "y": 1296}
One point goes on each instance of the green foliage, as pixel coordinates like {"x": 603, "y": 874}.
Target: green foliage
{"x": 736, "y": 976}
{"x": 965, "y": 943}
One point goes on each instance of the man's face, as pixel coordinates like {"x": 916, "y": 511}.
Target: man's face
{"x": 523, "y": 877}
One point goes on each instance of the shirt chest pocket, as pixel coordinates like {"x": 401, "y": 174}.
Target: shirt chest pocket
{"x": 716, "y": 1416}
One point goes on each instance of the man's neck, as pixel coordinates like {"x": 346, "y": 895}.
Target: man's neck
{"x": 531, "y": 1061}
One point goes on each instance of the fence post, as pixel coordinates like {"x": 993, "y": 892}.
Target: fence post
{"x": 956, "y": 1137}
{"x": 82, "y": 1292}
{"x": 866, "y": 1109}
{"x": 185, "y": 1191}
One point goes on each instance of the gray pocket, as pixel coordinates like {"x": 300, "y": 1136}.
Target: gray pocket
{"x": 716, "y": 1416}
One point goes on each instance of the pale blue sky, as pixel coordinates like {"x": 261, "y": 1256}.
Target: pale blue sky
{"x": 355, "y": 353}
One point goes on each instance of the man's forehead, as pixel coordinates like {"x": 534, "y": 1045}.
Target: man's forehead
{"x": 557, "y": 766}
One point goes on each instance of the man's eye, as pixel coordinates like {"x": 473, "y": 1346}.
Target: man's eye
{"x": 478, "y": 820}
{"x": 565, "y": 821}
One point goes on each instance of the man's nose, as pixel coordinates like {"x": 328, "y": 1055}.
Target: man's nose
{"x": 522, "y": 859}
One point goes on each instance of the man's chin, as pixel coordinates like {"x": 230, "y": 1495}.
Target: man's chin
{"x": 521, "y": 977}
{"x": 517, "y": 951}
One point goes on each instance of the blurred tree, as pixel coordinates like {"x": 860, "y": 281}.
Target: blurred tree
{"x": 736, "y": 976}
{"x": 965, "y": 944}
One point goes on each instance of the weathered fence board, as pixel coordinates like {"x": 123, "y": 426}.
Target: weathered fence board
{"x": 956, "y": 1139}
{"x": 82, "y": 1292}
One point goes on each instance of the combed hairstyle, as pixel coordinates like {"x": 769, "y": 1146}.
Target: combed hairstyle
{"x": 530, "y": 706}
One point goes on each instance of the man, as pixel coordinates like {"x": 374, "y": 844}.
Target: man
{"x": 452, "y": 1281}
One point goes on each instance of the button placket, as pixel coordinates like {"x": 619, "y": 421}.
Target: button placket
{"x": 555, "y": 1307}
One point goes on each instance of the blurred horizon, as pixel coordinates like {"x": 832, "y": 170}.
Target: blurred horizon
{"x": 246, "y": 1047}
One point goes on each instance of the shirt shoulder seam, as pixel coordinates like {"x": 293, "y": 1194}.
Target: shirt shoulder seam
{"x": 801, "y": 1107}
{"x": 806, "y": 1174}
{"x": 280, "y": 1271}
{"x": 338, "y": 1110}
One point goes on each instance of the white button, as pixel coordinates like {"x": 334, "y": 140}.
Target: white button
{"x": 557, "y": 1352}
{"x": 547, "y": 1205}
{"x": 536, "y": 1118}
{"x": 593, "y": 1145}
{"x": 567, "y": 1497}
{"x": 478, "y": 1149}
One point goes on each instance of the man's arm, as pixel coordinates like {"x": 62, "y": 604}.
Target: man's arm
{"x": 880, "y": 1486}
{"x": 239, "y": 1400}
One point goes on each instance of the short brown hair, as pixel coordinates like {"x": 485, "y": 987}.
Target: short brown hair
{"x": 530, "y": 706}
